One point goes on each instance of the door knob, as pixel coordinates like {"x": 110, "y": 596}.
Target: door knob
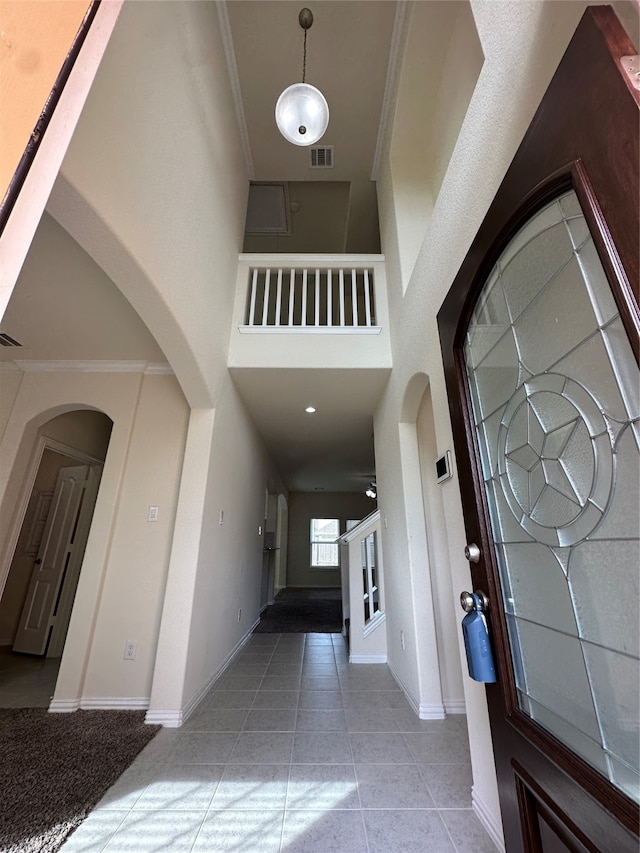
{"x": 472, "y": 553}
{"x": 37, "y": 562}
{"x": 474, "y": 601}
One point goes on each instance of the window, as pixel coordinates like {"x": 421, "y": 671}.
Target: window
{"x": 371, "y": 597}
{"x": 324, "y": 548}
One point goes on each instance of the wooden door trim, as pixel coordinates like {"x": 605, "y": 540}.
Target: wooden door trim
{"x": 22, "y": 169}
{"x": 533, "y": 800}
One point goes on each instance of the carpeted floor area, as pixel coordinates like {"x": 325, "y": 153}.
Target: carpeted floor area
{"x": 55, "y": 767}
{"x": 303, "y": 611}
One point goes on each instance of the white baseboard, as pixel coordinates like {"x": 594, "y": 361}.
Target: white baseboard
{"x": 367, "y": 658}
{"x": 423, "y": 712}
{"x": 168, "y": 719}
{"x": 431, "y": 712}
{"x": 455, "y": 706}
{"x": 99, "y": 703}
{"x": 64, "y": 706}
{"x": 491, "y": 822}
{"x": 109, "y": 703}
{"x": 173, "y": 719}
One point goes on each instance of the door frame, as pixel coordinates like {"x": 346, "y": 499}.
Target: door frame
{"x": 601, "y": 176}
{"x": 28, "y": 481}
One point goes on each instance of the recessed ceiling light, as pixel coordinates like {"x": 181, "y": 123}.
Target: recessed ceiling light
{"x": 310, "y": 409}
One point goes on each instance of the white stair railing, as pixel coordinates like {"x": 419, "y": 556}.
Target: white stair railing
{"x": 365, "y": 591}
{"x": 311, "y": 298}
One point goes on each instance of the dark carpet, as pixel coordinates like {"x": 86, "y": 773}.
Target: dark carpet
{"x": 303, "y": 611}
{"x": 54, "y": 768}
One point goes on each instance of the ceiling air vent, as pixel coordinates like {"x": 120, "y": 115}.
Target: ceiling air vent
{"x": 7, "y": 341}
{"x": 321, "y": 157}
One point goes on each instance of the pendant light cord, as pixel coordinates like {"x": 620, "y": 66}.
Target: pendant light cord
{"x": 304, "y": 58}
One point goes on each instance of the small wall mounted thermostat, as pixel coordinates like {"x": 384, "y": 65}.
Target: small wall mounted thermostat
{"x": 443, "y": 467}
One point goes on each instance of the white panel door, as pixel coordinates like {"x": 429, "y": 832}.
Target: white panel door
{"x": 38, "y": 613}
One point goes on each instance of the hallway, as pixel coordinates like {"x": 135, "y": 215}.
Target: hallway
{"x": 294, "y": 750}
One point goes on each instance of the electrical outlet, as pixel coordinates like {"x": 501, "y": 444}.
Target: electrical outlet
{"x": 239, "y": 614}
{"x": 130, "y": 649}
{"x": 402, "y": 640}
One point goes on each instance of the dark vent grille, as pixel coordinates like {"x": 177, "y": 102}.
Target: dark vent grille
{"x": 7, "y": 341}
{"x": 322, "y": 158}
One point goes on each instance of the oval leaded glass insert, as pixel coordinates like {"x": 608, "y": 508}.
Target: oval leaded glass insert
{"x": 554, "y": 388}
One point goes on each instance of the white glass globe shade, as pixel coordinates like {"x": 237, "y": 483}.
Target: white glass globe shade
{"x": 302, "y": 114}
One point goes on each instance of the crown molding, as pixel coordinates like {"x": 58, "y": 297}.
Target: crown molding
{"x": 396, "y": 52}
{"x": 78, "y": 366}
{"x": 234, "y": 79}
{"x": 158, "y": 368}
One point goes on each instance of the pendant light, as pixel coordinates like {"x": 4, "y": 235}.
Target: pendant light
{"x": 302, "y": 112}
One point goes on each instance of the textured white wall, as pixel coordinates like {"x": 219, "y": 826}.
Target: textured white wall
{"x": 138, "y": 555}
{"x": 164, "y": 217}
{"x": 230, "y": 561}
{"x": 154, "y": 184}
{"x": 122, "y": 579}
{"x": 446, "y": 618}
{"x": 214, "y": 569}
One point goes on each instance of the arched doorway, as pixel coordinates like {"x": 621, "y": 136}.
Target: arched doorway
{"x": 39, "y": 582}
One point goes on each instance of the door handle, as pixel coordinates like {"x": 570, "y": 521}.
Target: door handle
{"x": 474, "y": 601}
{"x": 37, "y": 562}
{"x": 477, "y": 644}
{"x": 472, "y": 553}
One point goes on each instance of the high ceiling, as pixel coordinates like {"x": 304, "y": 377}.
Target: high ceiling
{"x": 348, "y": 52}
{"x": 348, "y": 49}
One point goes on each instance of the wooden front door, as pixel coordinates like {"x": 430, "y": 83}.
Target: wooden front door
{"x": 539, "y": 336}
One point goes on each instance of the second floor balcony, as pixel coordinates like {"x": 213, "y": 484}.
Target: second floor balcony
{"x": 310, "y": 311}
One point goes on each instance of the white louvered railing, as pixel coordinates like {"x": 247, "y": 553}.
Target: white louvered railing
{"x": 320, "y": 298}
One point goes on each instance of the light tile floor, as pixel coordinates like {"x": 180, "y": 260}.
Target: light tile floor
{"x": 295, "y": 750}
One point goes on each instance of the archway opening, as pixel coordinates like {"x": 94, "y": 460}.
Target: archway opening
{"x": 61, "y": 484}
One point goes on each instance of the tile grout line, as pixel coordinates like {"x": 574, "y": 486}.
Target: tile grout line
{"x": 343, "y": 686}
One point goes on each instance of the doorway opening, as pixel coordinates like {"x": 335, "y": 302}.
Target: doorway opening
{"x": 309, "y": 593}
{"x": 61, "y": 484}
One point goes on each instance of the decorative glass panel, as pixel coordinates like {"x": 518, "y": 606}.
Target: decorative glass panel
{"x": 554, "y": 388}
